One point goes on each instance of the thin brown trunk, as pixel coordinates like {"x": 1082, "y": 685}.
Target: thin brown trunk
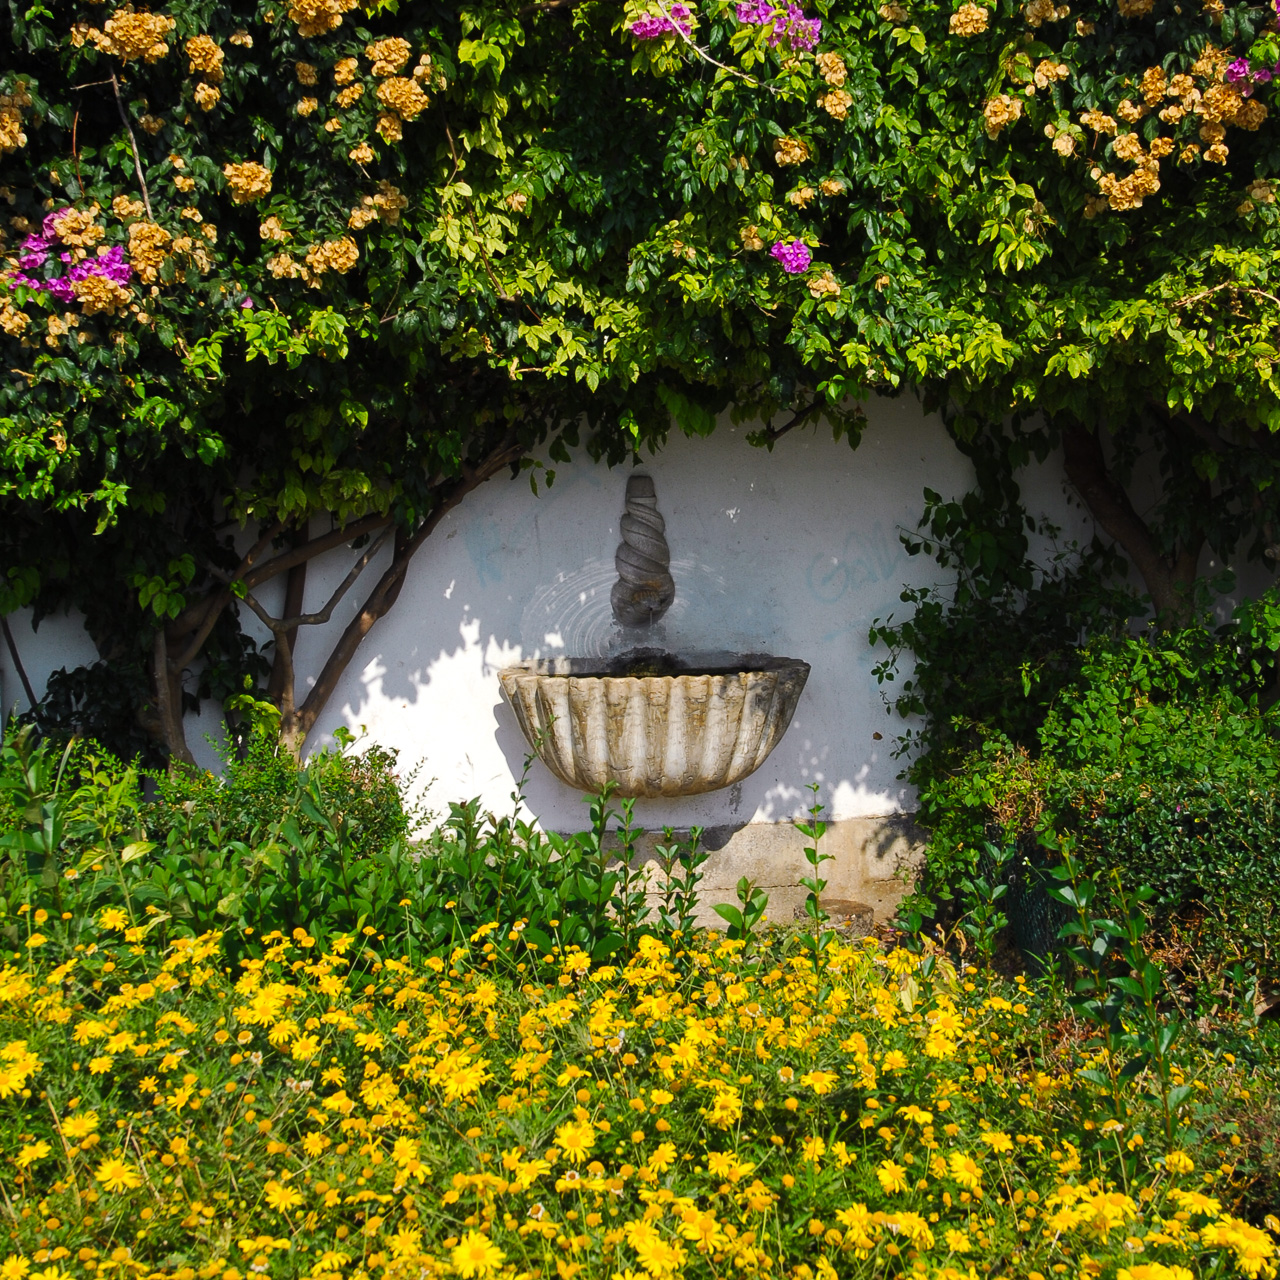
{"x": 292, "y": 735}
{"x": 280, "y": 686}
{"x": 1168, "y": 580}
{"x": 282, "y": 663}
{"x": 168, "y": 693}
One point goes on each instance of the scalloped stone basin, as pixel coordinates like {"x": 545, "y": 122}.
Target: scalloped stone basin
{"x": 654, "y": 724}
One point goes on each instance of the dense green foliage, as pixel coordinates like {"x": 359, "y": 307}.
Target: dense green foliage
{"x": 328, "y": 847}
{"x": 1045, "y": 724}
{"x": 370, "y": 258}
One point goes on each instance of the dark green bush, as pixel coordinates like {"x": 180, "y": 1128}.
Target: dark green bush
{"x": 1159, "y": 760}
{"x": 1040, "y": 715}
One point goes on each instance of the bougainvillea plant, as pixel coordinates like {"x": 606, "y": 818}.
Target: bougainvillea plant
{"x": 328, "y": 268}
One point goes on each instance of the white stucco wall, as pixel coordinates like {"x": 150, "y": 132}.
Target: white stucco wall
{"x": 792, "y": 552}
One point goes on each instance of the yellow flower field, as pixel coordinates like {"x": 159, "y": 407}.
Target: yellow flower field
{"x": 693, "y": 1112}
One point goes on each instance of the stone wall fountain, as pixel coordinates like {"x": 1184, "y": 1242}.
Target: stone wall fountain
{"x": 652, "y": 722}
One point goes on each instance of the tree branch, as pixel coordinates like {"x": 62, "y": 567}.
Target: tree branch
{"x": 384, "y": 593}
{"x": 705, "y": 56}
{"x": 17, "y": 662}
{"x": 283, "y": 626}
{"x": 1166, "y": 581}
{"x": 1192, "y": 298}
{"x": 313, "y": 547}
{"x": 133, "y": 142}
{"x": 771, "y": 435}
{"x": 196, "y": 617}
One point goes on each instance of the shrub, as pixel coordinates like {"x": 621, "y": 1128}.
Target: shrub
{"x": 1040, "y": 715}
{"x": 1160, "y": 760}
{"x": 255, "y": 789}
{"x": 322, "y": 847}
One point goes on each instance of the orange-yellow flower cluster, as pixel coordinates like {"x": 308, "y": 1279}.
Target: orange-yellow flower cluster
{"x": 318, "y": 17}
{"x": 388, "y": 55}
{"x": 204, "y": 55}
{"x": 79, "y": 228}
{"x": 1213, "y": 107}
{"x": 787, "y": 151}
{"x": 128, "y": 35}
{"x": 999, "y": 112}
{"x": 1038, "y": 12}
{"x": 385, "y": 204}
{"x": 969, "y": 20}
{"x": 97, "y": 293}
{"x": 836, "y": 103}
{"x": 831, "y": 68}
{"x": 12, "y": 105}
{"x": 824, "y": 286}
{"x": 248, "y": 181}
{"x": 147, "y": 243}
{"x": 404, "y": 96}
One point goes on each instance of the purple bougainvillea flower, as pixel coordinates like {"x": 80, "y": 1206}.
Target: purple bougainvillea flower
{"x": 61, "y": 289}
{"x": 47, "y": 227}
{"x": 35, "y": 251}
{"x": 247, "y": 305}
{"x": 794, "y": 256}
{"x": 649, "y": 28}
{"x": 110, "y": 264}
{"x": 805, "y": 33}
{"x": 1242, "y": 69}
{"x": 652, "y": 26}
{"x": 800, "y": 32}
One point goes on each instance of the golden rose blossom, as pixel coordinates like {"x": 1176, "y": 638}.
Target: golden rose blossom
{"x": 837, "y": 103}
{"x": 147, "y": 243}
{"x": 1000, "y": 112}
{"x": 832, "y": 68}
{"x": 205, "y": 56}
{"x": 388, "y": 55}
{"x": 318, "y": 17}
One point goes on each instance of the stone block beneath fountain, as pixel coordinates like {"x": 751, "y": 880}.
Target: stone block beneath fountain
{"x": 873, "y": 863}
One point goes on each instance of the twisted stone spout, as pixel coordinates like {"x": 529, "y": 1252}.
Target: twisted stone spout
{"x": 644, "y": 590}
